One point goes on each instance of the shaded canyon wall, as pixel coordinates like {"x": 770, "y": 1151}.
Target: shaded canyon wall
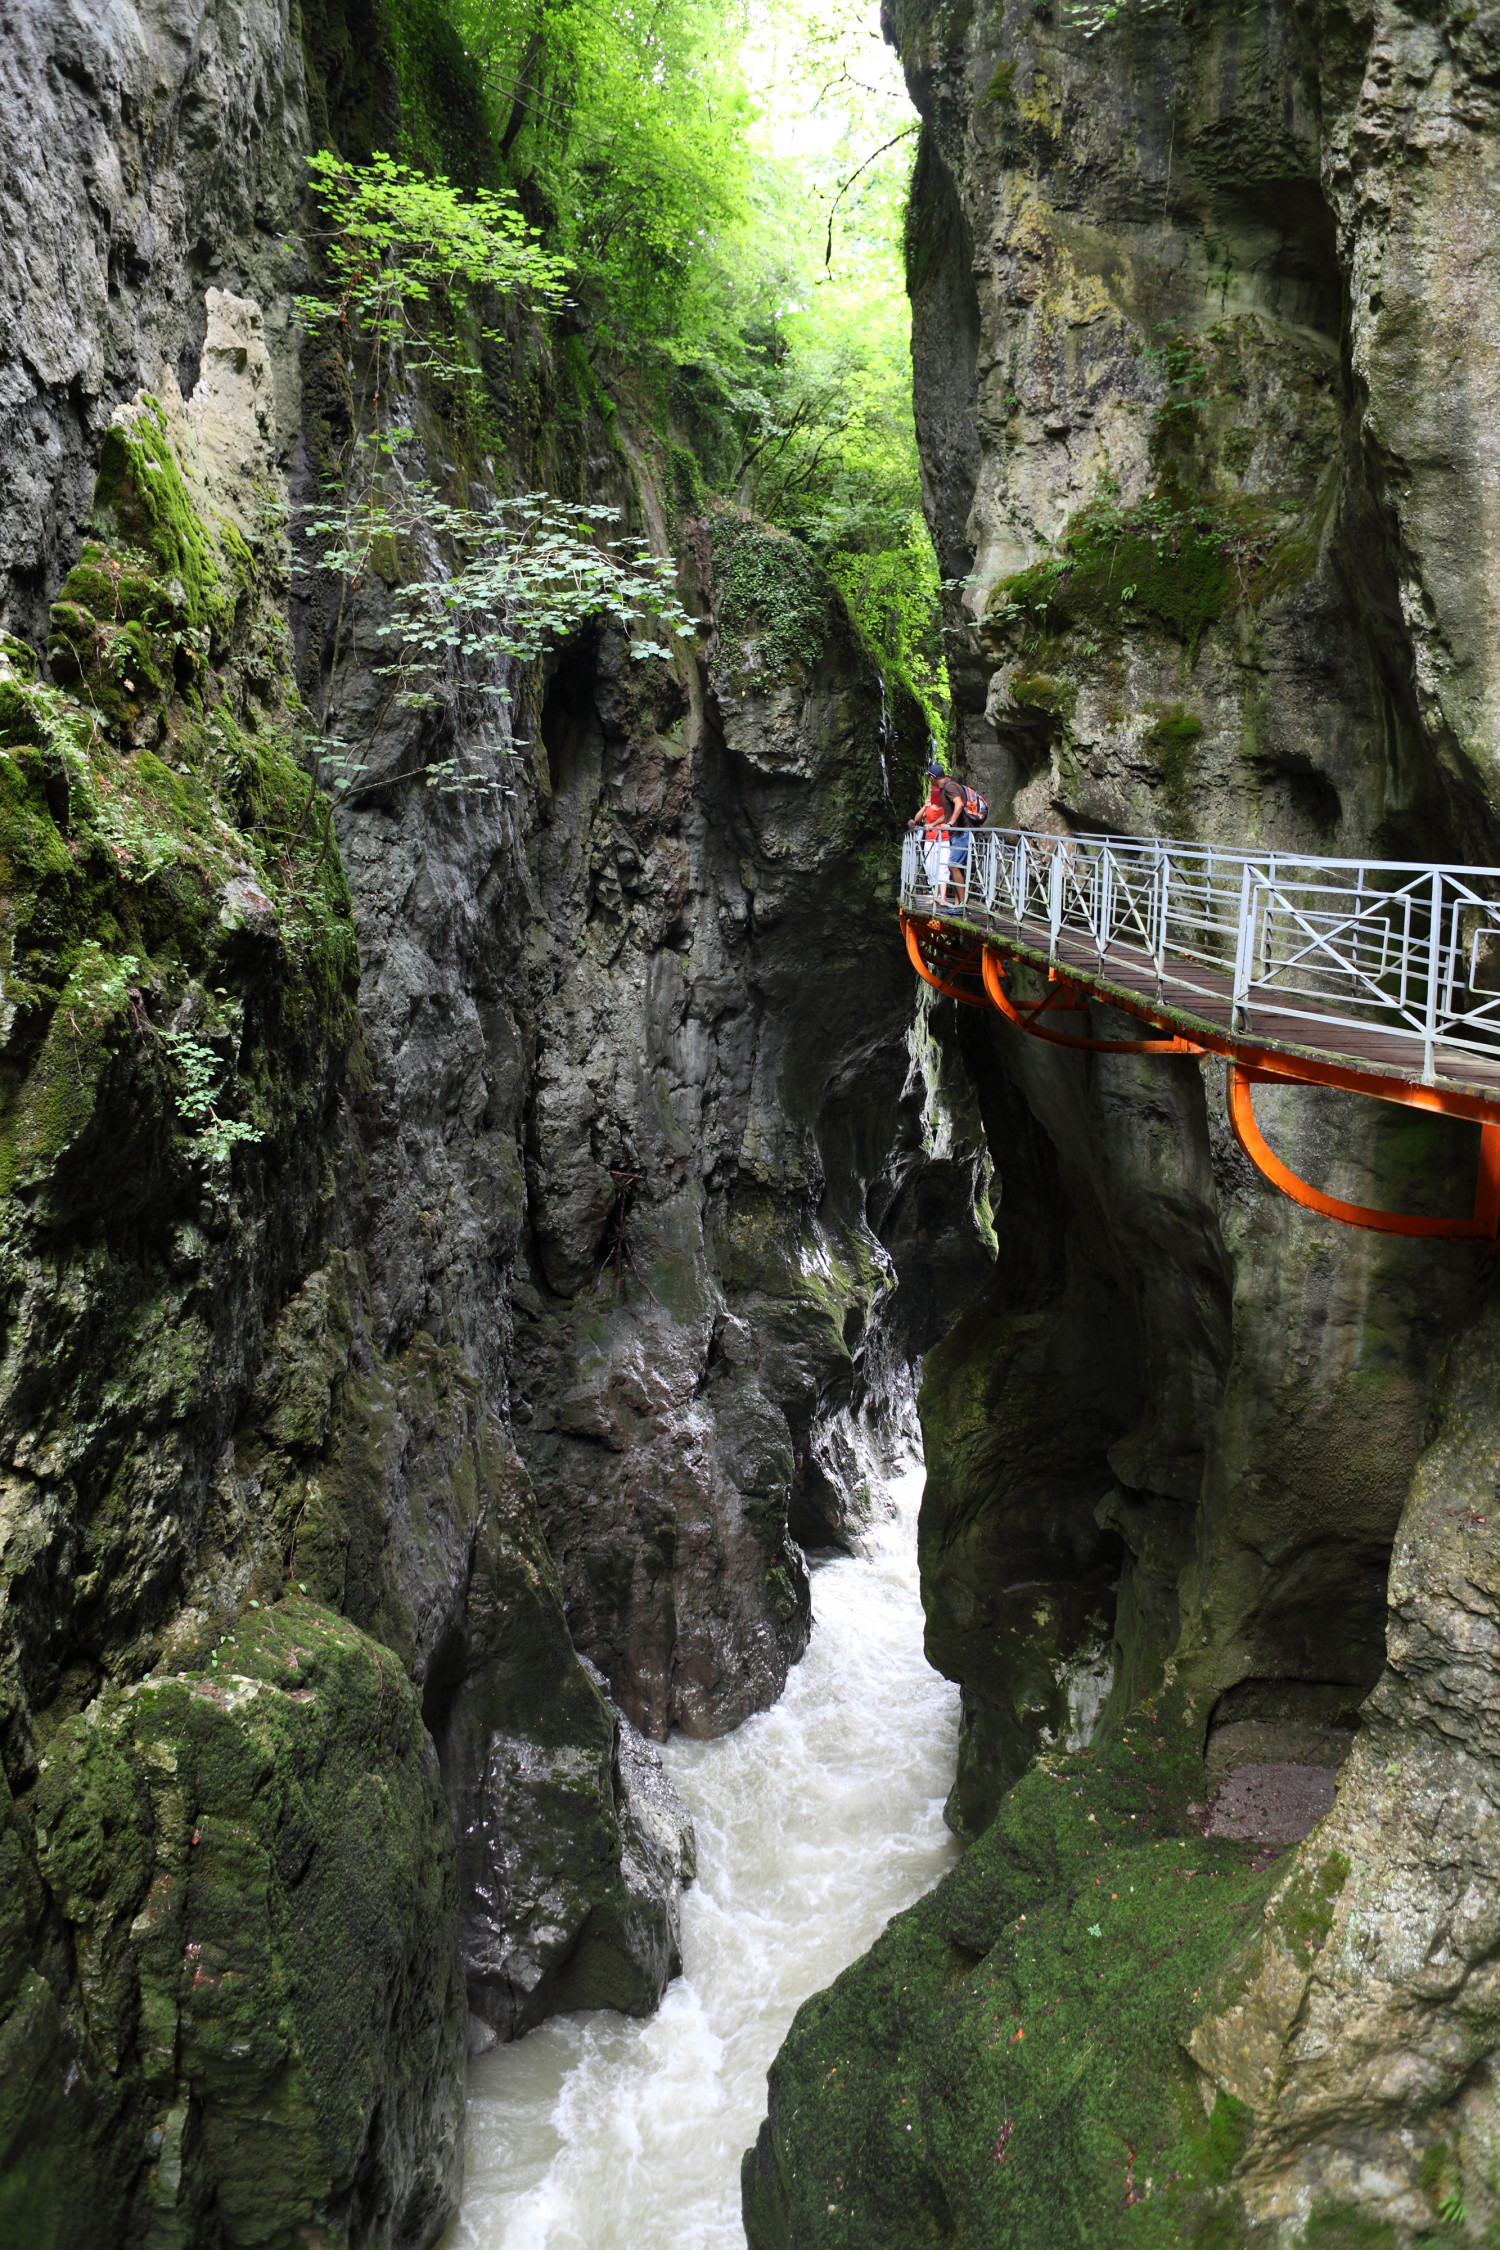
{"x": 1204, "y": 308}
{"x": 401, "y": 1432}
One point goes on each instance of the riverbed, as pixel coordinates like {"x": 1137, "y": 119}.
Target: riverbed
{"x": 817, "y": 1821}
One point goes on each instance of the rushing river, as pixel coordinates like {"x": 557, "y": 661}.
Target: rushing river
{"x": 817, "y": 1821}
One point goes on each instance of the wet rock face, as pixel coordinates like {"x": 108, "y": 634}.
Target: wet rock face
{"x": 720, "y": 1026}
{"x": 1195, "y": 559}
{"x": 1207, "y": 398}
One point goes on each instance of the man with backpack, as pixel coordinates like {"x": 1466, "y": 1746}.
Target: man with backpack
{"x": 950, "y": 811}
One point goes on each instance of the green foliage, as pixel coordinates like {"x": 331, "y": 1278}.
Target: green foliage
{"x": 406, "y": 257}
{"x": 829, "y": 447}
{"x": 410, "y": 265}
{"x": 628, "y": 127}
{"x": 731, "y": 212}
{"x": 767, "y": 592}
{"x": 198, "y": 1071}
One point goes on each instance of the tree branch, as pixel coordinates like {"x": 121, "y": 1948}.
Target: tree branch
{"x": 905, "y": 134}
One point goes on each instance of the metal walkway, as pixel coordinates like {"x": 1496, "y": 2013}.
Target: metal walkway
{"x": 1380, "y": 977}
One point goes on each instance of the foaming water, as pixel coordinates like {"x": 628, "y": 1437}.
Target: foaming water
{"x": 817, "y": 1821}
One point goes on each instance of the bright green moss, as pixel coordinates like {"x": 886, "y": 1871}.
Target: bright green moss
{"x": 1224, "y": 2141}
{"x": 1166, "y": 569}
{"x": 1173, "y": 738}
{"x": 1001, "y": 89}
{"x": 140, "y": 501}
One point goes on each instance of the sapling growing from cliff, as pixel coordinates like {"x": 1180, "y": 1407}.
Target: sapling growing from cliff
{"x": 198, "y": 1070}
{"x": 475, "y": 583}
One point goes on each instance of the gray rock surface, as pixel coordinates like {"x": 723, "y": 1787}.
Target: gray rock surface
{"x": 150, "y": 152}
{"x": 1361, "y": 2055}
{"x": 1205, "y": 355}
{"x": 666, "y": 947}
{"x": 721, "y": 1044}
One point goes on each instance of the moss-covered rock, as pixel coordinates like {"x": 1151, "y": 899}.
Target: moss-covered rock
{"x": 253, "y": 1867}
{"x": 231, "y": 1996}
{"x": 1007, "y": 2064}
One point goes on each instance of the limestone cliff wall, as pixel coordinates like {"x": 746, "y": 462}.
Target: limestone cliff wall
{"x": 489, "y": 1294}
{"x": 1196, "y": 603}
{"x": 1204, "y": 308}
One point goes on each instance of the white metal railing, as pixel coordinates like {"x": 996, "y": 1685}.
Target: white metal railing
{"x": 1412, "y": 950}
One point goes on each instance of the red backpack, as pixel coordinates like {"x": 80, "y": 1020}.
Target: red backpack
{"x": 975, "y": 810}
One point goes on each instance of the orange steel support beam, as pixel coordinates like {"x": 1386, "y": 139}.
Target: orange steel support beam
{"x": 960, "y": 968}
{"x": 1486, "y": 1200}
{"x": 1249, "y": 1063}
{"x": 1064, "y": 996}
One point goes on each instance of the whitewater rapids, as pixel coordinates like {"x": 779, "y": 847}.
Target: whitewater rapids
{"x": 817, "y": 1821}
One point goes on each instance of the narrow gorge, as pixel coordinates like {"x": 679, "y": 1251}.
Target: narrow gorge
{"x": 490, "y": 1215}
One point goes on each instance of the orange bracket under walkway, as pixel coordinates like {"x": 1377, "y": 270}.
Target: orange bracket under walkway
{"x": 954, "y": 964}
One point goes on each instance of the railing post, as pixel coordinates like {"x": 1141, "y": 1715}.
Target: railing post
{"x": 1434, "y": 956}
{"x": 1104, "y": 901}
{"x": 1243, "y": 956}
{"x": 1163, "y": 881}
{"x": 1054, "y": 903}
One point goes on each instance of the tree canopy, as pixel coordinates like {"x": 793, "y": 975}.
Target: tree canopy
{"x": 725, "y": 186}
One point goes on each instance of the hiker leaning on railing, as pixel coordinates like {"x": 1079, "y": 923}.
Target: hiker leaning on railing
{"x": 951, "y": 810}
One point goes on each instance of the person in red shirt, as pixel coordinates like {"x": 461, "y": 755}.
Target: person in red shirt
{"x": 947, "y": 850}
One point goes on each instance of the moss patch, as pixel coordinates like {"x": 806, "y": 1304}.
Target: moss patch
{"x": 1173, "y": 738}
{"x": 1164, "y": 566}
{"x": 256, "y": 1866}
{"x": 772, "y": 601}
{"x": 1305, "y": 1915}
{"x": 141, "y": 502}
{"x": 1007, "y": 2064}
